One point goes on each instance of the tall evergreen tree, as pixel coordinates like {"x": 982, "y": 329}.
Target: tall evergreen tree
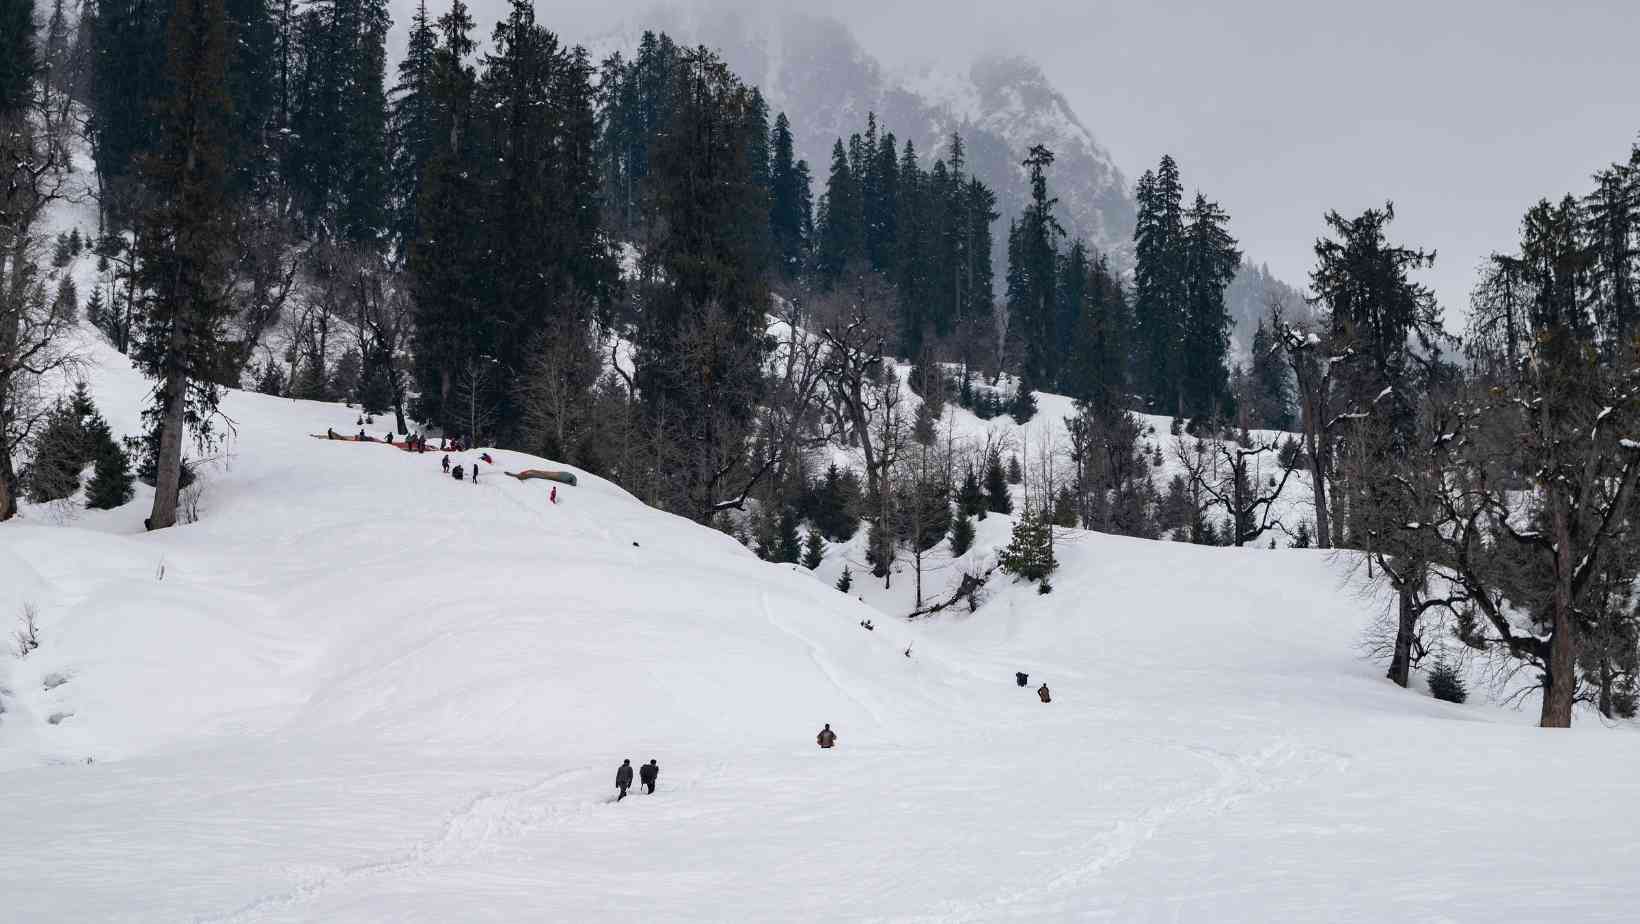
{"x": 1210, "y": 261}
{"x": 180, "y": 237}
{"x": 788, "y": 200}
{"x": 412, "y": 127}
{"x": 842, "y": 232}
{"x": 1032, "y": 276}
{"x": 1158, "y": 283}
{"x": 19, "y": 58}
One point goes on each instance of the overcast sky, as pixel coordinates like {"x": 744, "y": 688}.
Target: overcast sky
{"x": 1463, "y": 112}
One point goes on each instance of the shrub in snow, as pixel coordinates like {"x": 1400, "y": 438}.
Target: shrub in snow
{"x": 1445, "y": 683}
{"x": 28, "y": 632}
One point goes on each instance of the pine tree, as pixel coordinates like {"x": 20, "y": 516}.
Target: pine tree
{"x": 1158, "y": 282}
{"x": 1033, "y": 265}
{"x": 970, "y": 499}
{"x": 1023, "y": 406}
{"x": 412, "y": 127}
{"x": 814, "y": 550}
{"x": 338, "y": 155}
{"x": 1016, "y": 474}
{"x": 789, "y": 546}
{"x": 181, "y": 260}
{"x": 1271, "y": 383}
{"x": 846, "y": 581}
{"x": 962, "y": 534}
{"x": 1210, "y": 261}
{"x": 1030, "y": 549}
{"x": 788, "y": 201}
{"x": 1446, "y": 683}
{"x": 111, "y": 482}
{"x": 842, "y": 235}
{"x": 18, "y": 57}
{"x": 996, "y": 488}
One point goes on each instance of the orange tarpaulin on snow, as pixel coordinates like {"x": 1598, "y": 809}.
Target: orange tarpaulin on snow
{"x": 545, "y": 475}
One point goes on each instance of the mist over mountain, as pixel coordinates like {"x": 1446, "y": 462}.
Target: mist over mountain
{"x": 813, "y": 68}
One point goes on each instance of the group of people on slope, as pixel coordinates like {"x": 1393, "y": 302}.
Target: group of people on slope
{"x": 415, "y": 442}
{"x": 647, "y": 775}
{"x": 458, "y": 472}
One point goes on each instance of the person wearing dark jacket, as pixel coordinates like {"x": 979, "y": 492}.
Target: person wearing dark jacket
{"x": 475, "y": 473}
{"x": 826, "y": 738}
{"x": 446, "y": 465}
{"x": 623, "y": 778}
{"x": 1042, "y": 692}
{"x": 647, "y": 775}
{"x": 1021, "y": 678}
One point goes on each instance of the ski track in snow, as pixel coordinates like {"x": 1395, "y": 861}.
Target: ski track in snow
{"x": 817, "y": 655}
{"x": 465, "y": 833}
{"x": 1238, "y": 777}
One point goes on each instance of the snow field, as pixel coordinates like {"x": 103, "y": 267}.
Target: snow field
{"x": 363, "y": 691}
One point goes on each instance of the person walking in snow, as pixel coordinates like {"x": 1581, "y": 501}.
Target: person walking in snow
{"x": 553, "y": 497}
{"x": 447, "y": 464}
{"x": 647, "y": 774}
{"x": 826, "y": 738}
{"x": 475, "y": 473}
{"x": 623, "y": 778}
{"x": 1042, "y": 692}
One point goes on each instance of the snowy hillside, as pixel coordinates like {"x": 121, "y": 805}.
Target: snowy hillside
{"x": 358, "y": 690}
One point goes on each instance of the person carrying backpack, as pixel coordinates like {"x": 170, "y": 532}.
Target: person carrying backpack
{"x": 647, "y": 774}
{"x": 623, "y": 778}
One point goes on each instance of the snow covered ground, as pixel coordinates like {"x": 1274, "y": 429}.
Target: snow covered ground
{"x": 357, "y": 690}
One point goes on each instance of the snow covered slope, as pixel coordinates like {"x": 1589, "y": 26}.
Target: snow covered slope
{"x": 357, "y": 690}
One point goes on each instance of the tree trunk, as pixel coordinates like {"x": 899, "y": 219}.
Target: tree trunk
{"x": 1560, "y": 684}
{"x": 8, "y": 484}
{"x": 168, "y": 465}
{"x": 1400, "y": 665}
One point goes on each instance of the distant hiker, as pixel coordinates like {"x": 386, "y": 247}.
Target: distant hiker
{"x": 1020, "y": 678}
{"x": 446, "y": 463}
{"x": 475, "y": 473}
{"x": 647, "y": 774}
{"x": 389, "y": 438}
{"x": 364, "y": 439}
{"x": 1042, "y": 692}
{"x": 623, "y": 778}
{"x": 554, "y": 495}
{"x": 826, "y": 738}
{"x": 330, "y": 433}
